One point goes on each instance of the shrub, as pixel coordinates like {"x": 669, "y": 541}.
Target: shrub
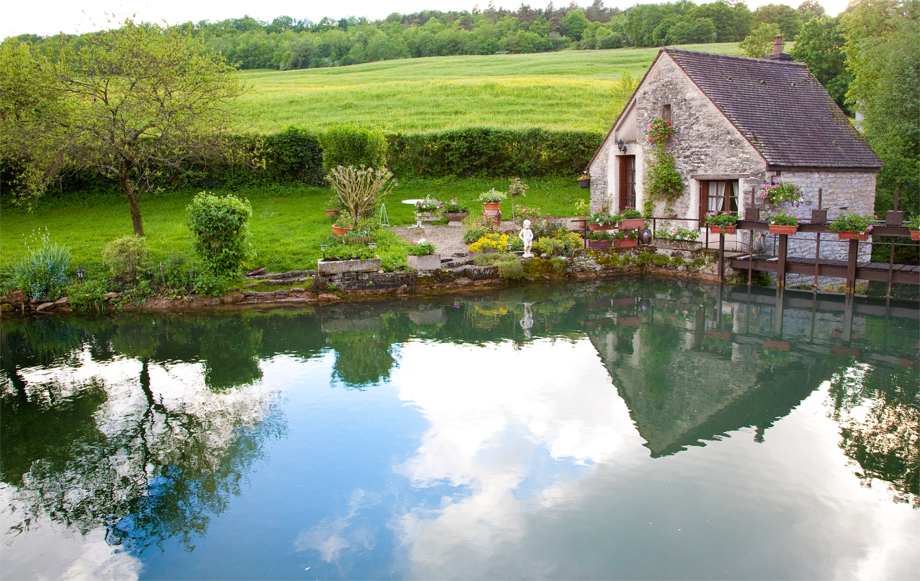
{"x": 477, "y": 227}
{"x": 496, "y": 243}
{"x": 220, "y": 229}
{"x": 511, "y": 269}
{"x": 124, "y": 256}
{"x": 360, "y": 189}
{"x": 561, "y": 245}
{"x": 89, "y": 296}
{"x": 661, "y": 260}
{"x": 42, "y": 274}
{"x": 677, "y": 261}
{"x": 345, "y": 145}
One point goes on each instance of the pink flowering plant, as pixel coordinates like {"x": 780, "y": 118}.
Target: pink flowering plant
{"x": 668, "y": 231}
{"x": 660, "y": 130}
{"x": 421, "y": 248}
{"x": 427, "y": 205}
{"x": 721, "y": 219}
{"x": 454, "y": 206}
{"x": 604, "y": 218}
{"x": 782, "y": 192}
{"x": 783, "y": 218}
{"x": 853, "y": 222}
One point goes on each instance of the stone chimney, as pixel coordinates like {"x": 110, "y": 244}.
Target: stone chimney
{"x": 778, "y": 54}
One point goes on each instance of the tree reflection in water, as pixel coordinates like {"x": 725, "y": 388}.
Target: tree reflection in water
{"x": 879, "y": 414}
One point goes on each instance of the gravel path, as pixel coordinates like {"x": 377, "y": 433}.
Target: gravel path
{"x": 448, "y": 240}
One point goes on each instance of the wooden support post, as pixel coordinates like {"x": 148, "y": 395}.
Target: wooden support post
{"x": 781, "y": 265}
{"x": 848, "y": 319}
{"x": 722, "y": 257}
{"x": 889, "y": 221}
{"x": 850, "y": 288}
{"x": 818, "y": 216}
{"x": 778, "y": 319}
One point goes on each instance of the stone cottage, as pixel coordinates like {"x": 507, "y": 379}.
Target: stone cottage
{"x": 739, "y": 123}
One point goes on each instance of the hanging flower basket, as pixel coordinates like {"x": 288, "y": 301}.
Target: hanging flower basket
{"x": 850, "y": 235}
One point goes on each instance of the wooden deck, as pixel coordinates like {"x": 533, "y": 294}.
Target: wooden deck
{"x": 872, "y": 271}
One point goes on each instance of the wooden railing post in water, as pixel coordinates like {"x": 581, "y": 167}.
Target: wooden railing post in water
{"x": 818, "y": 216}
{"x": 721, "y": 257}
{"x": 850, "y": 288}
{"x": 781, "y": 265}
{"x": 893, "y": 219}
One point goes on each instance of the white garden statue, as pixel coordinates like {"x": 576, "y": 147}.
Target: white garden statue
{"x": 527, "y": 236}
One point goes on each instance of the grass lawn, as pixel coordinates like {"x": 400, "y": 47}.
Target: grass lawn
{"x": 556, "y": 90}
{"x": 287, "y": 227}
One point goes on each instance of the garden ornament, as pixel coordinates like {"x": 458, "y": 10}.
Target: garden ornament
{"x": 527, "y": 236}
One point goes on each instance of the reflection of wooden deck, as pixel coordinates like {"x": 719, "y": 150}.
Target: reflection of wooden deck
{"x": 874, "y": 271}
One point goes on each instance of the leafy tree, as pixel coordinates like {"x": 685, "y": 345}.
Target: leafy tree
{"x": 820, "y": 46}
{"x": 810, "y": 9}
{"x": 130, "y": 103}
{"x": 760, "y": 42}
{"x": 575, "y": 23}
{"x": 786, "y": 17}
{"x": 883, "y": 53}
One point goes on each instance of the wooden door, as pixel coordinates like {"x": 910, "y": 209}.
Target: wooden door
{"x": 627, "y": 193}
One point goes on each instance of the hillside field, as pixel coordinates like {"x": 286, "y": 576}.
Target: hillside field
{"x": 557, "y": 90}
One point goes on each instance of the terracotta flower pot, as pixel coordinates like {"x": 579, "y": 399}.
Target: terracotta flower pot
{"x": 598, "y": 227}
{"x": 492, "y": 210}
{"x": 779, "y": 229}
{"x": 339, "y": 231}
{"x": 600, "y": 244}
{"x": 723, "y": 229}
{"x": 915, "y": 234}
{"x": 331, "y": 212}
{"x": 850, "y": 235}
{"x": 632, "y": 224}
{"x": 628, "y": 243}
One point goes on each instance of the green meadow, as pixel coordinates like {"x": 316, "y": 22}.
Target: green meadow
{"x": 560, "y": 90}
{"x": 557, "y": 90}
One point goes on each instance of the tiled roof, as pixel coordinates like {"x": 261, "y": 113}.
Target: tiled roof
{"x": 781, "y": 108}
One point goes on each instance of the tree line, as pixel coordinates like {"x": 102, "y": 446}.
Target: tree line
{"x": 287, "y": 43}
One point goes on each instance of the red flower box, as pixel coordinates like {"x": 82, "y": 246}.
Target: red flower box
{"x": 600, "y": 244}
{"x": 850, "y": 235}
{"x": 779, "y": 229}
{"x": 632, "y": 224}
{"x": 598, "y": 227}
{"x": 628, "y": 243}
{"x": 915, "y": 234}
{"x": 723, "y": 229}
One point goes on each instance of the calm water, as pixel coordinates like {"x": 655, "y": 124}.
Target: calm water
{"x": 635, "y": 429}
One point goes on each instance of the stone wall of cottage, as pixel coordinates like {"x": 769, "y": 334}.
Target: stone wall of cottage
{"x": 707, "y": 145}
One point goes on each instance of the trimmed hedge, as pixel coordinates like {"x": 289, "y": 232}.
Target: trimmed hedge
{"x": 488, "y": 152}
{"x": 295, "y": 156}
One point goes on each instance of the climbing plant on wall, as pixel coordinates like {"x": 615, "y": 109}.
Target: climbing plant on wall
{"x": 662, "y": 181}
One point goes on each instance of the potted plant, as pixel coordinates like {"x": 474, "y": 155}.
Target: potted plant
{"x": 491, "y": 201}
{"x": 599, "y": 240}
{"x": 722, "y": 222}
{"x": 781, "y": 192}
{"x": 625, "y": 239}
{"x": 584, "y": 180}
{"x": 427, "y": 207}
{"x": 783, "y": 223}
{"x": 602, "y": 220}
{"x": 670, "y": 237}
{"x": 630, "y": 219}
{"x": 455, "y": 212}
{"x": 422, "y": 257}
{"x": 852, "y": 225}
{"x": 914, "y": 226}
{"x": 342, "y": 226}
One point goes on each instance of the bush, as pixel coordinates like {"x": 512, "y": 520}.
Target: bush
{"x": 124, "y": 256}
{"x": 360, "y": 189}
{"x": 220, "y": 229}
{"x": 89, "y": 296}
{"x": 496, "y": 243}
{"x": 661, "y": 260}
{"x": 43, "y": 273}
{"x": 510, "y": 269}
{"x": 351, "y": 145}
{"x": 294, "y": 155}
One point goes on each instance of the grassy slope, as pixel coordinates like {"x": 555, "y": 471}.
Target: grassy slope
{"x": 565, "y": 90}
{"x": 559, "y": 90}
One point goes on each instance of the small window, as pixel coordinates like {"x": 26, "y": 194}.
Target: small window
{"x": 666, "y": 112}
{"x": 718, "y": 196}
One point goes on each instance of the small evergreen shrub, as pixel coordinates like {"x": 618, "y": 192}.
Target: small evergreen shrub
{"x": 125, "y": 256}
{"x": 510, "y": 269}
{"x": 219, "y": 225}
{"x": 352, "y": 145}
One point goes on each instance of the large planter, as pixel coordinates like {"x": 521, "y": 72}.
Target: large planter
{"x": 723, "y": 229}
{"x": 426, "y": 262}
{"x": 850, "y": 235}
{"x": 677, "y": 244}
{"x": 600, "y": 244}
{"x": 779, "y": 229}
{"x": 492, "y": 210}
{"x": 339, "y": 231}
{"x": 456, "y": 218}
{"x": 333, "y": 266}
{"x": 585, "y": 184}
{"x": 632, "y": 224}
{"x": 628, "y": 243}
{"x": 598, "y": 227}
{"x": 915, "y": 234}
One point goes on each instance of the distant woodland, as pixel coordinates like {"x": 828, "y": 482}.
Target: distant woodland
{"x": 287, "y": 43}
